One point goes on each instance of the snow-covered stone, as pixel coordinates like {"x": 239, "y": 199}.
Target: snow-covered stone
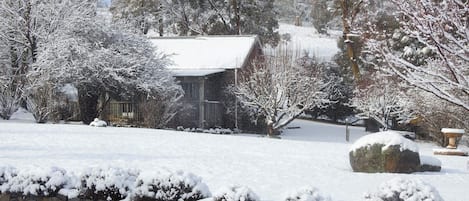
{"x": 429, "y": 163}
{"x": 384, "y": 152}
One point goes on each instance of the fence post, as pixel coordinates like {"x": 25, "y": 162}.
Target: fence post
{"x": 347, "y": 131}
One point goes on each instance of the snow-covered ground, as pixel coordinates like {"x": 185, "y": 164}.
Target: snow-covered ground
{"x": 315, "y": 154}
{"x": 307, "y": 39}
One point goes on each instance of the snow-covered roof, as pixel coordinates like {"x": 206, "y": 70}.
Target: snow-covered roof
{"x": 204, "y": 55}
{"x": 195, "y": 72}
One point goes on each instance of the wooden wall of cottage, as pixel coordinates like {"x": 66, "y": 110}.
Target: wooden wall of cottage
{"x": 202, "y": 106}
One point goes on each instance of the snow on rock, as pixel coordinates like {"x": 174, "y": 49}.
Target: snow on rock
{"x": 98, "y": 123}
{"x": 307, "y": 194}
{"x": 452, "y": 130}
{"x": 429, "y": 160}
{"x": 405, "y": 190}
{"x": 170, "y": 186}
{"x": 235, "y": 193}
{"x": 388, "y": 138}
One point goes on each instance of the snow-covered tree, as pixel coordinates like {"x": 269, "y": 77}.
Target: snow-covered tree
{"x": 212, "y": 17}
{"x": 188, "y": 17}
{"x": 103, "y": 61}
{"x": 24, "y": 24}
{"x": 383, "y": 100}
{"x": 142, "y": 14}
{"x": 441, "y": 27}
{"x": 338, "y": 91}
{"x": 278, "y": 89}
{"x": 434, "y": 113}
{"x": 324, "y": 16}
{"x": 289, "y": 10}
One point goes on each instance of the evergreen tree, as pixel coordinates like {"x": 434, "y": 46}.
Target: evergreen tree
{"x": 201, "y": 17}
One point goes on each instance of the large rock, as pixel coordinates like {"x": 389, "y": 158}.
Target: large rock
{"x": 429, "y": 164}
{"x": 384, "y": 152}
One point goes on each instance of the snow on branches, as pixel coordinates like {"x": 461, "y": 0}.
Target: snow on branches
{"x": 279, "y": 89}
{"x": 441, "y": 26}
{"x": 383, "y": 100}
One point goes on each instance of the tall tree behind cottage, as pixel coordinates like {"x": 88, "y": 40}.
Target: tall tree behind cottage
{"x": 204, "y": 17}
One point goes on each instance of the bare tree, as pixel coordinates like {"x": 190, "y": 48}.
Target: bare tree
{"x": 279, "y": 89}
{"x": 383, "y": 100}
{"x": 160, "y": 109}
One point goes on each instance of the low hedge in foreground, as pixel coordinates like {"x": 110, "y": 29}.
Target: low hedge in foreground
{"x": 100, "y": 184}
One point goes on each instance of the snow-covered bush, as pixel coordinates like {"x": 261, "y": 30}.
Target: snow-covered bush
{"x": 236, "y": 193}
{"x": 399, "y": 189}
{"x": 306, "y": 194}
{"x": 6, "y": 174}
{"x": 158, "y": 111}
{"x": 171, "y": 187}
{"x": 9, "y": 102}
{"x": 37, "y": 181}
{"x": 98, "y": 123}
{"x": 107, "y": 184}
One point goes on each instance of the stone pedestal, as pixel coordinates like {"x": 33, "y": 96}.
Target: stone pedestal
{"x": 452, "y": 135}
{"x": 450, "y": 152}
{"x": 452, "y": 140}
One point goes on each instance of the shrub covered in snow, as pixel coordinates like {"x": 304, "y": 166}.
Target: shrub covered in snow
{"x": 170, "y": 187}
{"x": 399, "y": 189}
{"x": 236, "y": 193}
{"x": 98, "y": 123}
{"x": 6, "y": 175}
{"x": 37, "y": 181}
{"x": 306, "y": 194}
{"x": 107, "y": 184}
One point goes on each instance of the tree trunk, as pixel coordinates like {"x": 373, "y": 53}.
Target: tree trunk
{"x": 88, "y": 102}
{"x": 270, "y": 130}
{"x": 238, "y": 17}
{"x": 346, "y": 22}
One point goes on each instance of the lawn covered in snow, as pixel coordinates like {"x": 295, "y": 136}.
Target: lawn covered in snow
{"x": 306, "y": 39}
{"x": 310, "y": 154}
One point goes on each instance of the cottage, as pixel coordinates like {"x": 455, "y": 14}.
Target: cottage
{"x": 204, "y": 66}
